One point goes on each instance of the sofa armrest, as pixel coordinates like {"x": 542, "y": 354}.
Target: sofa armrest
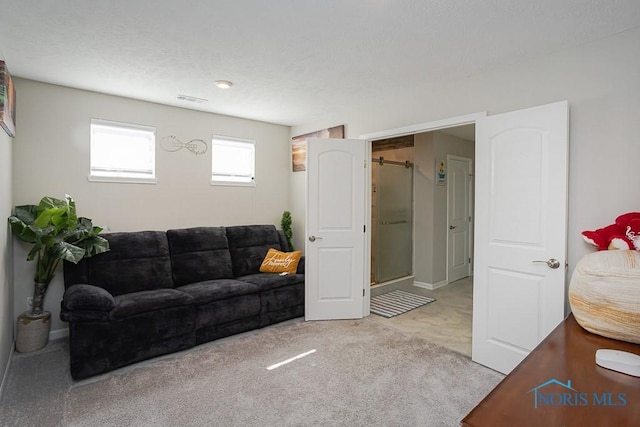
{"x": 87, "y": 297}
{"x": 300, "y": 269}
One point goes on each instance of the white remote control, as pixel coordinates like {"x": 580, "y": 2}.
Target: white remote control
{"x": 617, "y": 360}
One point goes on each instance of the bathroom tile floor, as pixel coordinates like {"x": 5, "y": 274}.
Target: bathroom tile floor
{"x": 446, "y": 321}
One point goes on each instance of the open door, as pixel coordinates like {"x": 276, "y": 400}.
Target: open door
{"x": 520, "y": 240}
{"x": 335, "y": 276}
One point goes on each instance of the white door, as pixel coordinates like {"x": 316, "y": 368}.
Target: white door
{"x": 335, "y": 277}
{"x": 520, "y": 241}
{"x": 459, "y": 217}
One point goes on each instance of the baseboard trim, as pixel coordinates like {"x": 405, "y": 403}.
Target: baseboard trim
{"x": 430, "y": 286}
{"x": 58, "y": 333}
{"x": 6, "y": 370}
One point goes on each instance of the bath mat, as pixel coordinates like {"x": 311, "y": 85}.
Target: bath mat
{"x": 397, "y": 302}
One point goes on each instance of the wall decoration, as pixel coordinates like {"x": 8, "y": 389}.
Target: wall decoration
{"x": 7, "y": 101}
{"x": 299, "y": 145}
{"x": 171, "y": 143}
{"x": 441, "y": 172}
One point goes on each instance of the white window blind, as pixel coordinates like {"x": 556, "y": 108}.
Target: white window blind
{"x": 232, "y": 161}
{"x": 122, "y": 152}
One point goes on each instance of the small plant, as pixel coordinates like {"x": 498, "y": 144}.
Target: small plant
{"x": 285, "y": 223}
{"x": 57, "y": 234}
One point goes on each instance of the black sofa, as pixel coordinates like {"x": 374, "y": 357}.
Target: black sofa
{"x": 158, "y": 292}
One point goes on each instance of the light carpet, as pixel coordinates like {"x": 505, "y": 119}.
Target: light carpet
{"x": 361, "y": 374}
{"x": 397, "y": 302}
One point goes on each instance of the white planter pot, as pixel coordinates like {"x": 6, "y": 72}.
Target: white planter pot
{"x": 33, "y": 331}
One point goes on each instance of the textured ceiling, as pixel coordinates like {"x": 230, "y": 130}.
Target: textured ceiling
{"x": 291, "y": 60}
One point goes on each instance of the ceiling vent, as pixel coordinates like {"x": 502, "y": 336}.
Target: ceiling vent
{"x": 192, "y": 99}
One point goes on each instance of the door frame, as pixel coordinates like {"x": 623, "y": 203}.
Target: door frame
{"x": 390, "y": 133}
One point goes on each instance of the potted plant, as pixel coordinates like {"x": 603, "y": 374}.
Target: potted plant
{"x": 285, "y": 223}
{"x": 57, "y": 234}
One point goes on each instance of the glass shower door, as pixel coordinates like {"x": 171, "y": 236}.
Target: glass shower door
{"x": 394, "y": 227}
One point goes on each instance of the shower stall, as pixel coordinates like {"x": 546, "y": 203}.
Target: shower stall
{"x": 392, "y": 220}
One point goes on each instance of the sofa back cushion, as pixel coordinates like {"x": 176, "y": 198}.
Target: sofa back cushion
{"x": 137, "y": 261}
{"x": 199, "y": 254}
{"x": 249, "y": 244}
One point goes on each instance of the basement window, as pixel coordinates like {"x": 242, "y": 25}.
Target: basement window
{"x": 122, "y": 152}
{"x": 232, "y": 161}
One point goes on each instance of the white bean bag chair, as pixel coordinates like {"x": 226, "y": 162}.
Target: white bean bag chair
{"x": 604, "y": 294}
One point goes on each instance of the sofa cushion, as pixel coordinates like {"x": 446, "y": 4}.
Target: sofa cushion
{"x": 199, "y": 254}
{"x": 144, "y": 301}
{"x": 249, "y": 244}
{"x": 137, "y": 261}
{"x": 87, "y": 297}
{"x": 266, "y": 281}
{"x": 214, "y": 290}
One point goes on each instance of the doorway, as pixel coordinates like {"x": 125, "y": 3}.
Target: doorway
{"x": 441, "y": 235}
{"x": 427, "y": 236}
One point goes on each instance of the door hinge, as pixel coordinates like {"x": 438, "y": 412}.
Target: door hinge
{"x": 363, "y": 292}
{"x": 365, "y": 164}
{"x": 364, "y": 228}
{"x": 469, "y": 260}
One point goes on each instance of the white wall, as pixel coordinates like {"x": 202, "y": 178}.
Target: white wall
{"x": 51, "y": 158}
{"x": 424, "y": 173}
{"x": 602, "y": 84}
{"x": 6, "y": 283}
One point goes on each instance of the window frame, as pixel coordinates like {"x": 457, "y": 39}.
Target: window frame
{"x": 232, "y": 140}
{"x": 123, "y": 178}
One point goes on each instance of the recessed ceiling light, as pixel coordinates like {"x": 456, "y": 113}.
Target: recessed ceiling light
{"x": 223, "y": 84}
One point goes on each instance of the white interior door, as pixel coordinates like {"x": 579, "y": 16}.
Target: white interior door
{"x": 459, "y": 217}
{"x": 520, "y": 241}
{"x": 335, "y": 277}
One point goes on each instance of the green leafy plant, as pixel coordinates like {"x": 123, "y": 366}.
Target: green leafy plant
{"x": 285, "y": 223}
{"x": 56, "y": 233}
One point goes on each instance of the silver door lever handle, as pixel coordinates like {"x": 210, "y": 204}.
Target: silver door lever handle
{"x": 313, "y": 238}
{"x": 551, "y": 263}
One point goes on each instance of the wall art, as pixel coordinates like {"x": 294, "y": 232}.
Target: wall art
{"x": 7, "y": 101}
{"x": 299, "y": 145}
{"x": 441, "y": 172}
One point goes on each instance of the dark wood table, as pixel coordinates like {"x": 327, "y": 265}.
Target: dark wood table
{"x": 561, "y": 378}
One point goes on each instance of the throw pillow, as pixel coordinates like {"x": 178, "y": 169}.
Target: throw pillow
{"x": 280, "y": 262}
